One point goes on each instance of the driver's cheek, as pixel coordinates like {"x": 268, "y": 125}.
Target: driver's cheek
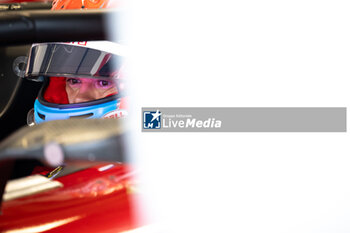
{"x": 110, "y": 91}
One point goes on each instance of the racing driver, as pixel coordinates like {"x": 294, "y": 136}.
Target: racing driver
{"x": 81, "y": 79}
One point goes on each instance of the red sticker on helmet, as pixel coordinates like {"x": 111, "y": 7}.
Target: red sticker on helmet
{"x": 116, "y": 114}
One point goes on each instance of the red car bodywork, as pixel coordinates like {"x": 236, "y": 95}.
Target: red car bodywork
{"x": 98, "y": 199}
{"x": 19, "y": 1}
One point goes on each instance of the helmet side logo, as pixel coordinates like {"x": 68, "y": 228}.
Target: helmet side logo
{"x": 120, "y": 113}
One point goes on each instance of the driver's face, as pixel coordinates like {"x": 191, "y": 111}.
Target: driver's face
{"x": 85, "y": 89}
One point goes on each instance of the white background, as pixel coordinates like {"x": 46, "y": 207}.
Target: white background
{"x": 191, "y": 53}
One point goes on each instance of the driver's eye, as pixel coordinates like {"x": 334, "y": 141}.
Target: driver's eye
{"x": 73, "y": 81}
{"x": 104, "y": 83}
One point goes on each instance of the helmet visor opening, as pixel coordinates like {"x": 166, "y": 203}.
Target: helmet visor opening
{"x": 72, "y": 90}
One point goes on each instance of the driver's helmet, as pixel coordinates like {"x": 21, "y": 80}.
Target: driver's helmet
{"x": 81, "y": 79}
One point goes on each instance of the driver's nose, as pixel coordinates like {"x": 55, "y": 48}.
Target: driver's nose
{"x": 85, "y": 93}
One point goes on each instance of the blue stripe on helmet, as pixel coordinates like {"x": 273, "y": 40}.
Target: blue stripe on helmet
{"x": 51, "y": 113}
